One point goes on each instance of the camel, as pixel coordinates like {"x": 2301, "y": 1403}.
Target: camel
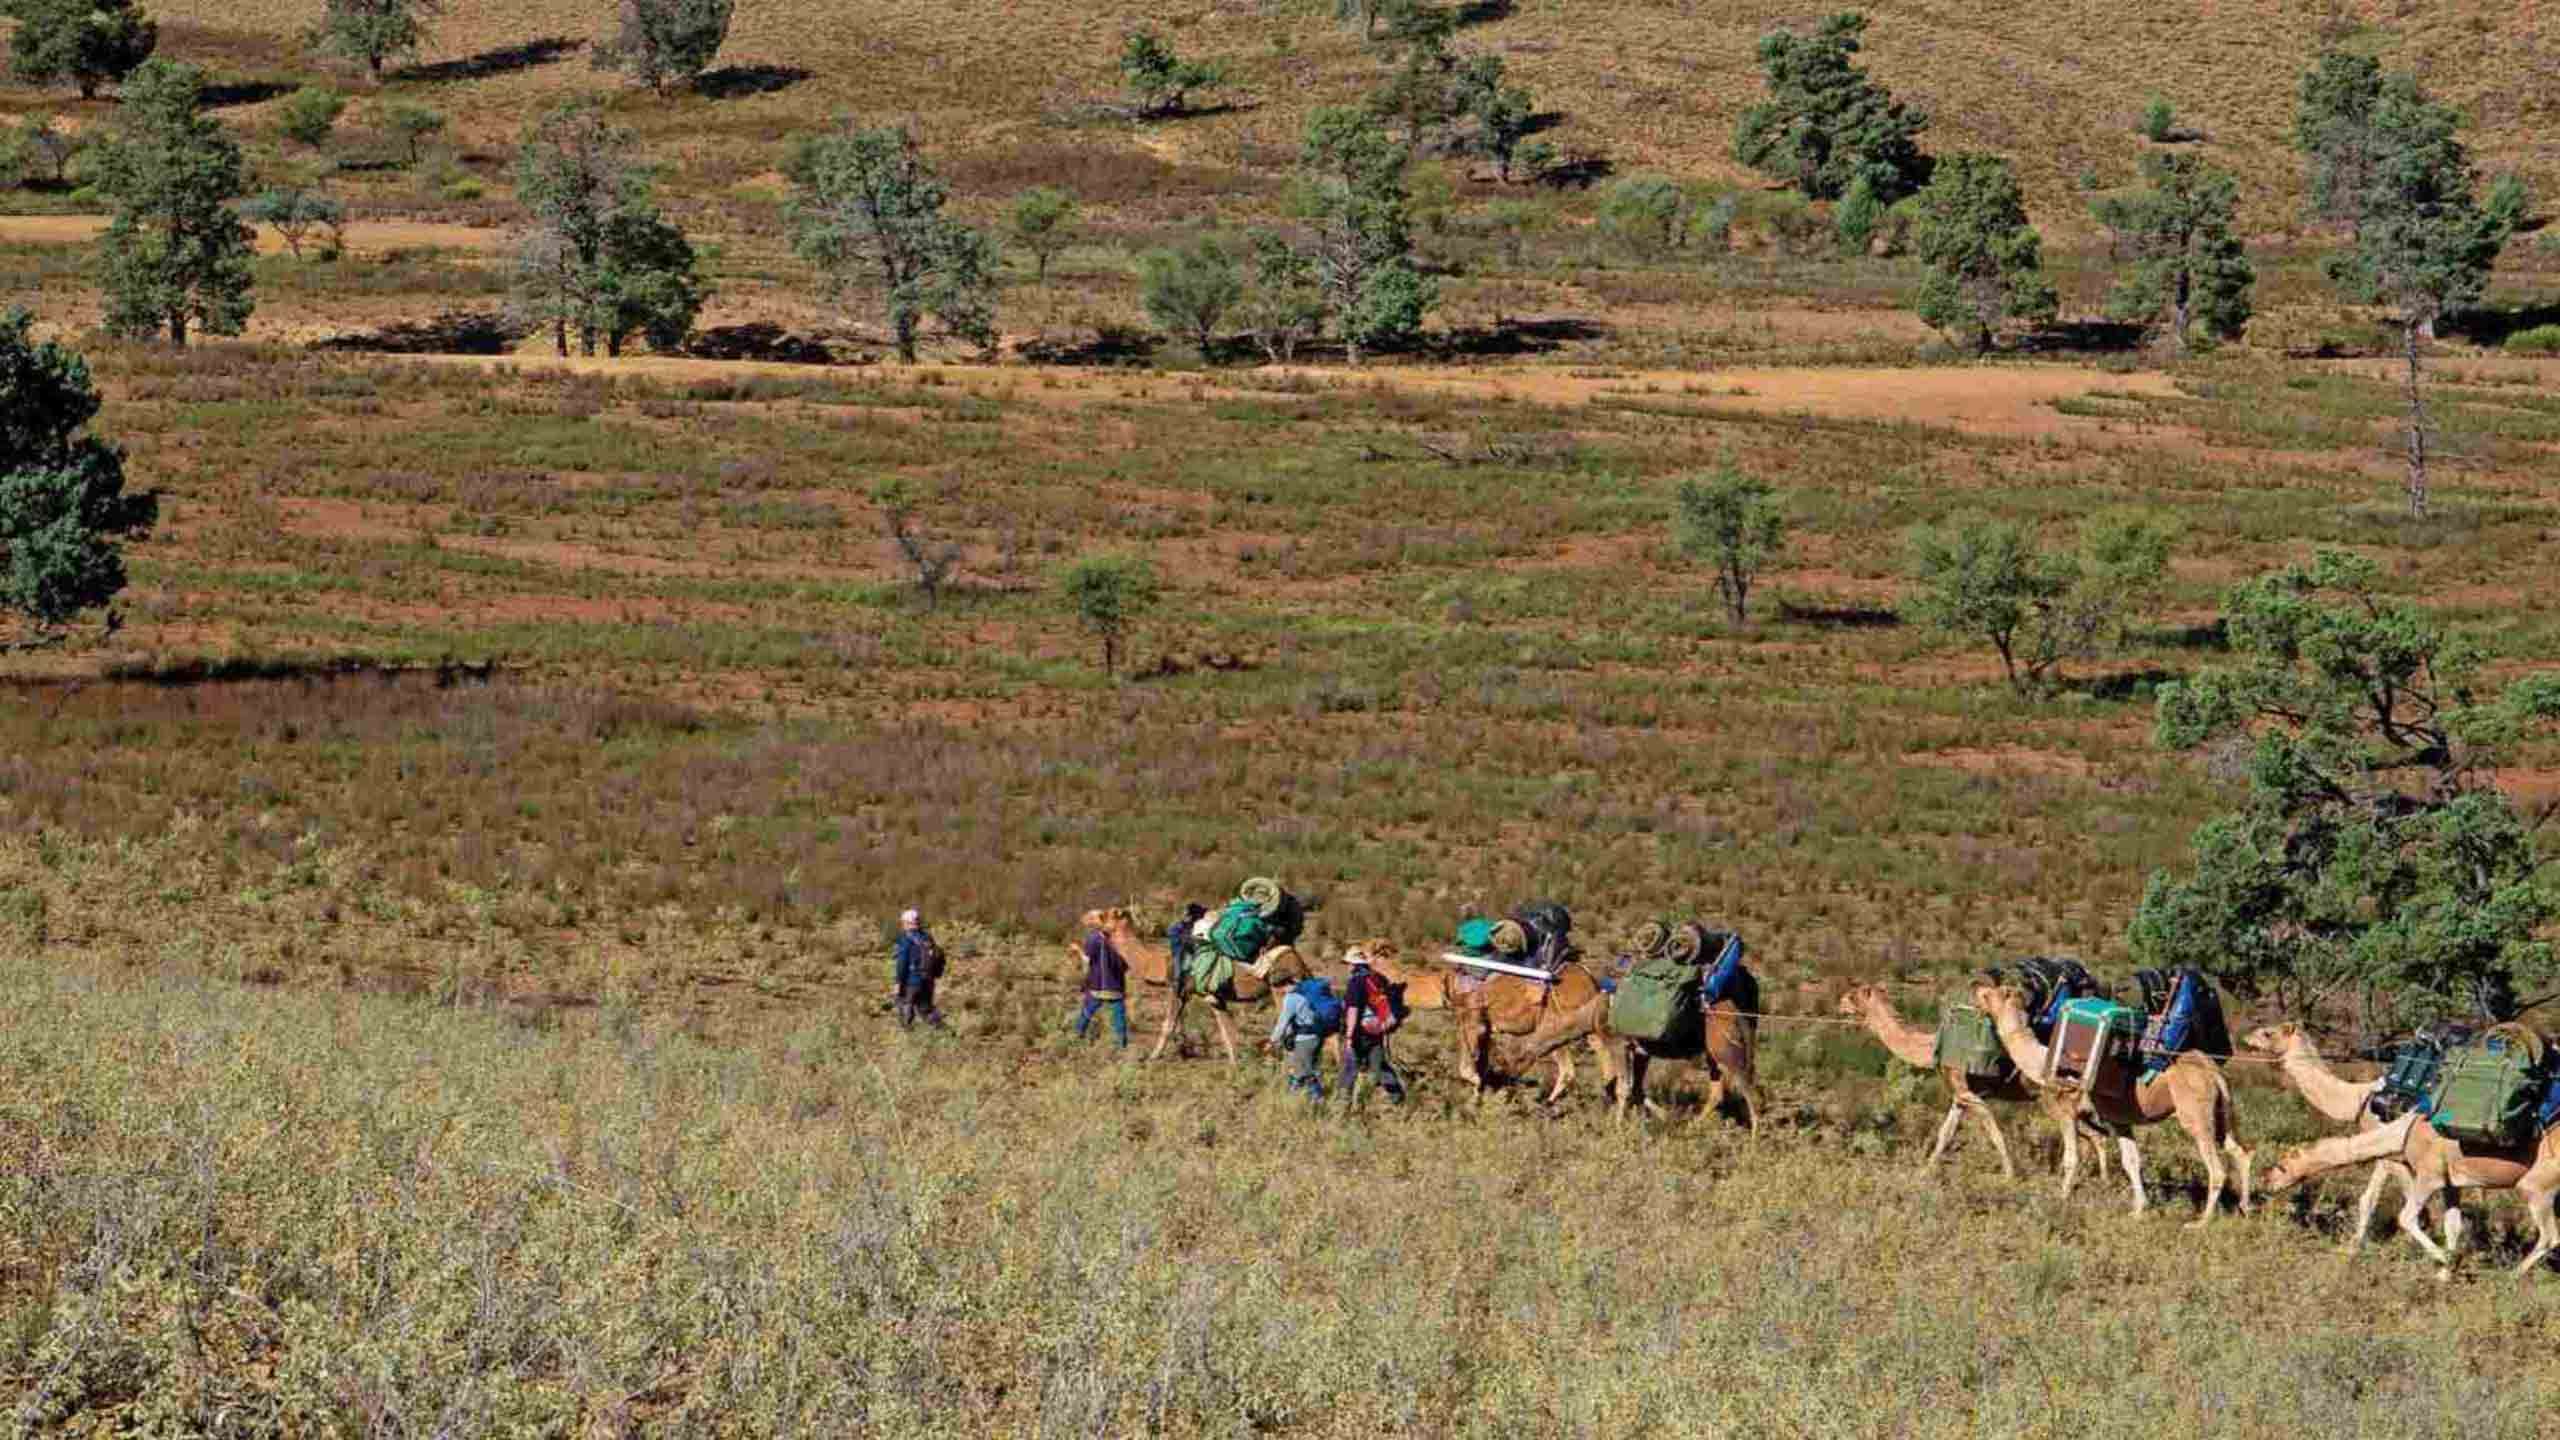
{"x": 1730, "y": 1054}
{"x": 2348, "y": 1102}
{"x": 1151, "y": 963}
{"x": 1503, "y": 1005}
{"x": 2439, "y": 1163}
{"x": 1966, "y": 1094}
{"x": 2191, "y": 1090}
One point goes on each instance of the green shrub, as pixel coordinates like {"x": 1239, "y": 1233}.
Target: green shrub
{"x": 2540, "y": 340}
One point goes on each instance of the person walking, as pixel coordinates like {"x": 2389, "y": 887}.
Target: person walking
{"x": 1368, "y": 1018}
{"x": 919, "y": 970}
{"x": 1309, "y": 1011}
{"x": 1106, "y": 986}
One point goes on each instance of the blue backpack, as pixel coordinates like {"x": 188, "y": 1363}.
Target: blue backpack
{"x": 1322, "y": 1003}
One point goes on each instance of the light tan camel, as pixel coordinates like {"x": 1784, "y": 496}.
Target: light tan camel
{"x": 1966, "y": 1094}
{"x": 2438, "y": 1163}
{"x": 1151, "y": 963}
{"x": 1503, "y": 1006}
{"x": 2349, "y": 1102}
{"x": 1729, "y": 1055}
{"x": 2191, "y": 1090}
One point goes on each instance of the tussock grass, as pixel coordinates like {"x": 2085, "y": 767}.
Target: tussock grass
{"x": 258, "y": 1212}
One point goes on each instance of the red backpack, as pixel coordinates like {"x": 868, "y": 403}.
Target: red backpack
{"x": 1375, "y": 1001}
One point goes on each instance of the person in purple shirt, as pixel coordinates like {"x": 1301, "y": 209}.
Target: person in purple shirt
{"x": 1106, "y": 982}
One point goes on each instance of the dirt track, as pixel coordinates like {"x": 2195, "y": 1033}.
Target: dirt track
{"x": 363, "y": 236}
{"x": 1979, "y": 399}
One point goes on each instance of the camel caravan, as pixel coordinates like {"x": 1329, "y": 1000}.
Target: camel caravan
{"x": 2457, "y": 1108}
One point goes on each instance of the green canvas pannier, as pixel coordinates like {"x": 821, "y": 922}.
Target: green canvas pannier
{"x": 2489, "y": 1089}
{"x": 1657, "y": 1003}
{"x": 1970, "y": 1042}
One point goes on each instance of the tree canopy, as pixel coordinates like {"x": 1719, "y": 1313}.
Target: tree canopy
{"x": 1986, "y": 263}
{"x": 867, "y": 210}
{"x": 1352, "y": 191}
{"x": 599, "y": 260}
{"x": 175, "y": 254}
{"x": 2189, "y": 270}
{"x": 64, "y": 512}
{"x": 375, "y": 32}
{"x": 1827, "y": 124}
{"x": 86, "y": 42}
{"x": 2372, "y": 856}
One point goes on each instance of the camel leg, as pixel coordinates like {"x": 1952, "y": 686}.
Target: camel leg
{"x": 1637, "y": 1064}
{"x": 1946, "y": 1130}
{"x": 1226, "y": 1030}
{"x": 1754, "y": 1100}
{"x": 2546, "y": 1226}
{"x": 2130, "y": 1155}
{"x": 1172, "y": 1023}
{"x": 2453, "y": 1226}
{"x": 2070, "y": 1157}
{"x": 1999, "y": 1142}
{"x": 2413, "y": 1210}
{"x": 2366, "y": 1202}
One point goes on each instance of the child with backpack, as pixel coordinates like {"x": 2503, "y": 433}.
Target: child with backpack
{"x": 1308, "y": 1012}
{"x": 1369, "y": 1016}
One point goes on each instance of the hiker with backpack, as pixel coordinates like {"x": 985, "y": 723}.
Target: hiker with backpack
{"x": 1369, "y": 1016}
{"x": 918, "y": 961}
{"x": 1106, "y": 986}
{"x": 1309, "y": 1011}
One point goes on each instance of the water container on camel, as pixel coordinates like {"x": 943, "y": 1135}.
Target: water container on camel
{"x": 2095, "y": 1046}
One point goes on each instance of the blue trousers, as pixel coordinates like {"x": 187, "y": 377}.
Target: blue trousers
{"x": 1119, "y": 1008}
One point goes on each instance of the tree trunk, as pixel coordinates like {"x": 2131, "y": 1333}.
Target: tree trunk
{"x": 2417, "y": 427}
{"x": 560, "y": 336}
{"x": 905, "y": 328}
{"x": 178, "y": 328}
{"x": 2181, "y": 305}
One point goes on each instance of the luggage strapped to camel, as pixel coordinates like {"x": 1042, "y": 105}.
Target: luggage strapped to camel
{"x": 2185, "y": 1014}
{"x": 2050, "y": 982}
{"x": 1261, "y": 918}
{"x": 1662, "y": 1000}
{"x": 2494, "y": 1090}
{"x": 1969, "y": 1040}
{"x": 2095, "y": 1045}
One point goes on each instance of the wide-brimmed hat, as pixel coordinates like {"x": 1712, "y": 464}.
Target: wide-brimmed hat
{"x": 1355, "y": 956}
{"x": 910, "y": 917}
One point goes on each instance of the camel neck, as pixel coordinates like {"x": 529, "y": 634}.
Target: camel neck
{"x": 2025, "y": 1051}
{"x": 1909, "y": 1045}
{"x": 2335, "y": 1098}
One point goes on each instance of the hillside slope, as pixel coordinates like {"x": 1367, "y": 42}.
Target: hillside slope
{"x": 1650, "y": 83}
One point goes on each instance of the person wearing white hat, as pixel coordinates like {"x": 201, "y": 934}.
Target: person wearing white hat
{"x": 919, "y": 968}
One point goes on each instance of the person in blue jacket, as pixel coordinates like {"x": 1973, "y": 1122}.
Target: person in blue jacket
{"x": 918, "y": 962}
{"x": 1106, "y": 987}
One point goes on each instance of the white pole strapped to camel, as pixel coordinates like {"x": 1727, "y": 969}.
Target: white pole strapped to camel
{"x": 1526, "y": 972}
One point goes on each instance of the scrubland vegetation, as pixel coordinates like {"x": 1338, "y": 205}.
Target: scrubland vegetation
{"x": 442, "y": 921}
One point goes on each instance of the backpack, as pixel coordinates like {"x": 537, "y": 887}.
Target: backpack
{"x": 1322, "y": 1003}
{"x": 2185, "y": 1014}
{"x": 1381, "y": 1009}
{"x": 931, "y": 961}
{"x": 1240, "y": 933}
{"x": 1550, "y": 928}
{"x": 1657, "y": 1003}
{"x": 2051, "y": 982}
{"x": 2491, "y": 1089}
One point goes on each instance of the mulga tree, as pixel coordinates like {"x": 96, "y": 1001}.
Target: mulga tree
{"x": 175, "y": 256}
{"x": 64, "y": 512}
{"x": 1353, "y": 195}
{"x": 1160, "y": 82}
{"x": 665, "y": 43}
{"x": 1108, "y": 593}
{"x": 373, "y": 32}
{"x": 1732, "y": 522}
{"x": 2372, "y": 857}
{"x": 2333, "y": 128}
{"x": 1827, "y": 124}
{"x": 2424, "y": 244}
{"x": 1505, "y": 115}
{"x": 1986, "y": 263}
{"x": 598, "y": 260}
{"x": 88, "y": 43}
{"x": 867, "y": 210}
{"x": 2038, "y": 606}
{"x": 2189, "y": 272}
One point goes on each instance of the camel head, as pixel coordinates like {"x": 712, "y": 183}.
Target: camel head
{"x": 2286, "y": 1175}
{"x": 1384, "y": 956}
{"x": 2274, "y": 1039}
{"x": 1996, "y": 998}
{"x": 1110, "y": 919}
{"x": 1860, "y": 1001}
